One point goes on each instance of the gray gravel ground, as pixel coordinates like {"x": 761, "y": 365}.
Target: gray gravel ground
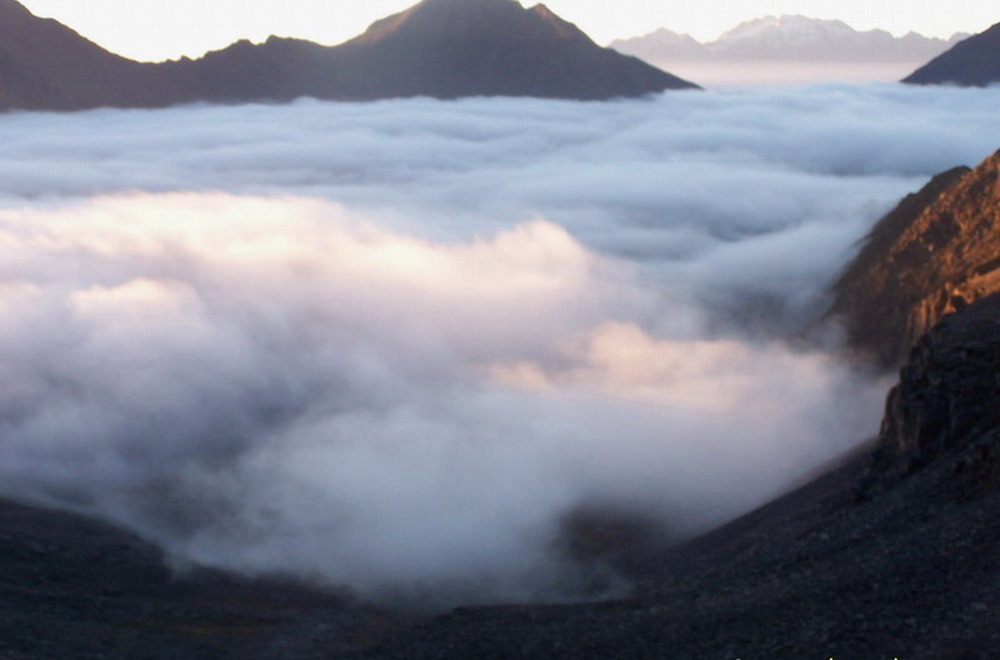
{"x": 910, "y": 573}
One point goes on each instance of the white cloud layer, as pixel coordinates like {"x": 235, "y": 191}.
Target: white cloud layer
{"x": 395, "y": 345}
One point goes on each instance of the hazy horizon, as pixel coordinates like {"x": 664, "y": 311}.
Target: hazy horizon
{"x": 753, "y": 73}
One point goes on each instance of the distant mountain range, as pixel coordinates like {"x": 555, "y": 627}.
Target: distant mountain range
{"x": 974, "y": 62}
{"x": 788, "y": 49}
{"x": 438, "y": 48}
{"x": 788, "y": 38}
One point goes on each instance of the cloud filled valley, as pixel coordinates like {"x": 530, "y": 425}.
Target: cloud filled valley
{"x": 393, "y": 346}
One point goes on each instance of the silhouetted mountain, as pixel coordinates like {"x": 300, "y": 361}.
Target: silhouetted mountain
{"x": 45, "y": 65}
{"x": 974, "y": 62}
{"x": 936, "y": 252}
{"x": 448, "y": 48}
{"x": 438, "y": 48}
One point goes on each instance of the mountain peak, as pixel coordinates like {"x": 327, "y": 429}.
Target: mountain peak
{"x": 453, "y": 20}
{"x": 788, "y": 28}
{"x": 8, "y": 7}
{"x": 561, "y": 27}
{"x": 444, "y": 14}
{"x": 786, "y": 23}
{"x": 451, "y": 48}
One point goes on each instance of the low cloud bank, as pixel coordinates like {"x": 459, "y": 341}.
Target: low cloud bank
{"x": 397, "y": 346}
{"x": 288, "y": 389}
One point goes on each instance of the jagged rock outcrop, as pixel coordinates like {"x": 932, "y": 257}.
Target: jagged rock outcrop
{"x": 974, "y": 62}
{"x": 438, "y": 48}
{"x": 938, "y": 251}
{"x": 947, "y": 402}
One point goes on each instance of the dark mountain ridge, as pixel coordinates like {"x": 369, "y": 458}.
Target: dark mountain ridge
{"x": 974, "y": 62}
{"x": 44, "y": 64}
{"x": 438, "y": 48}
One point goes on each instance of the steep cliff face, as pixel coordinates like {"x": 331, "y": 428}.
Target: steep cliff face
{"x": 947, "y": 403}
{"x": 974, "y": 62}
{"x": 938, "y": 251}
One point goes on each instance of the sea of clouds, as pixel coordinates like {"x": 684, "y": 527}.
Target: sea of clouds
{"x": 396, "y": 346}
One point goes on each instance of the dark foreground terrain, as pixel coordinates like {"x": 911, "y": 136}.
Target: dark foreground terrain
{"x": 894, "y": 554}
{"x": 72, "y": 588}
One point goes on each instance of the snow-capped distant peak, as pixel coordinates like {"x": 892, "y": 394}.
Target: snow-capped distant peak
{"x": 790, "y": 25}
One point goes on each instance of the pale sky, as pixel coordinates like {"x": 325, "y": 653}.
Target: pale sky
{"x": 161, "y": 29}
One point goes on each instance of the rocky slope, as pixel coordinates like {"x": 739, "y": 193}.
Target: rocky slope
{"x": 938, "y": 251}
{"x": 439, "y": 48}
{"x": 974, "y": 62}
